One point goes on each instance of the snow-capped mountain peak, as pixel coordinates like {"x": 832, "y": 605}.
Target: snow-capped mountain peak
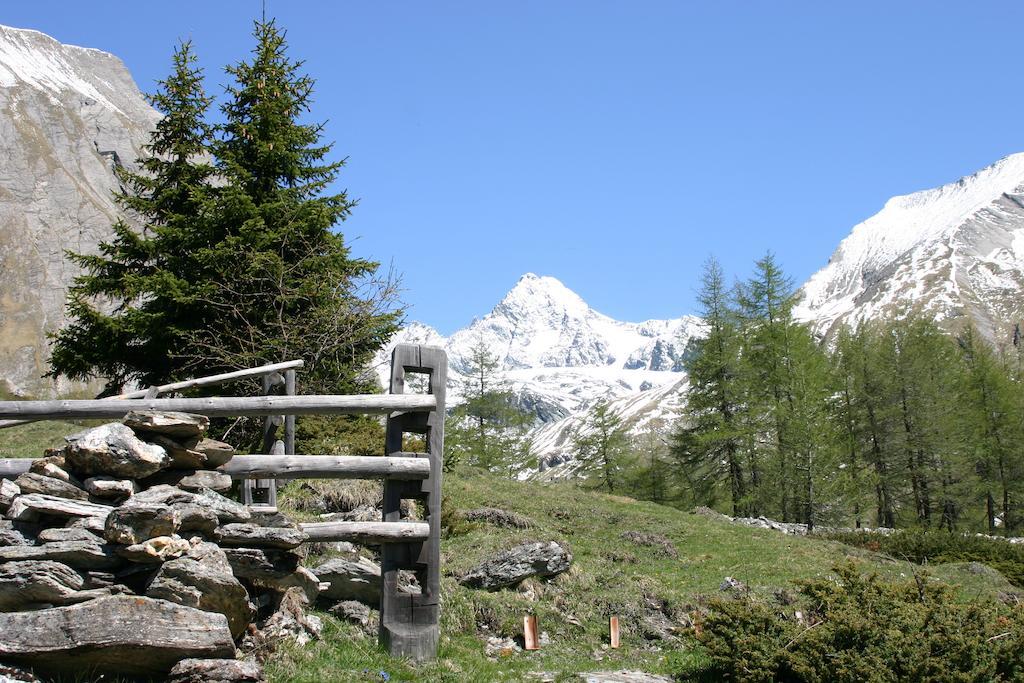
{"x": 953, "y": 251}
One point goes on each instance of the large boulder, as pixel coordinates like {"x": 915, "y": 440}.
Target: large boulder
{"x": 276, "y": 570}
{"x": 113, "y": 449}
{"x": 181, "y": 426}
{"x": 511, "y": 566}
{"x": 203, "y": 579}
{"x": 217, "y": 671}
{"x": 351, "y": 580}
{"x": 117, "y": 635}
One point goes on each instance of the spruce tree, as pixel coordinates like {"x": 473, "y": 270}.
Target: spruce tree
{"x": 131, "y": 308}
{"x": 239, "y": 271}
{"x": 287, "y": 286}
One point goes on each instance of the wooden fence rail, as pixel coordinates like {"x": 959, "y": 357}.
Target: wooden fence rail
{"x": 408, "y": 621}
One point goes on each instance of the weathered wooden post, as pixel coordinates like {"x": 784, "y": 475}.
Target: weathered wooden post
{"x": 409, "y": 621}
{"x": 262, "y": 493}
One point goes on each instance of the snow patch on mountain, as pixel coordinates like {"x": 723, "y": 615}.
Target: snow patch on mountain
{"x": 556, "y": 353}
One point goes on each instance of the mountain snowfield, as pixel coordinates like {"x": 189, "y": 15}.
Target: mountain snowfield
{"x": 955, "y": 251}
{"x": 559, "y": 356}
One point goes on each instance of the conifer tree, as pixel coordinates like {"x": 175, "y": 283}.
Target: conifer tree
{"x": 131, "y": 307}
{"x": 488, "y": 429}
{"x": 601, "y": 445}
{"x": 238, "y": 272}
{"x": 712, "y": 451}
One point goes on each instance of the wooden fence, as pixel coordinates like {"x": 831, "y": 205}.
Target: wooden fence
{"x": 408, "y": 621}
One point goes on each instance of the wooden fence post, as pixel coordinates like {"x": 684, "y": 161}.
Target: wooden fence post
{"x": 409, "y": 621}
{"x": 261, "y": 494}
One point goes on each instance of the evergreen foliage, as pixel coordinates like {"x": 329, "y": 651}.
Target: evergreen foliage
{"x": 894, "y": 423}
{"x": 488, "y": 429}
{"x": 602, "y": 446}
{"x": 238, "y": 263}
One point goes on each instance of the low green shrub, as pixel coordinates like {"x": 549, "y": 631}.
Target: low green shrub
{"x": 939, "y": 547}
{"x": 861, "y": 628}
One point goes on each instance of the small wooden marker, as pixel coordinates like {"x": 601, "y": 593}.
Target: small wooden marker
{"x": 613, "y": 631}
{"x": 530, "y": 640}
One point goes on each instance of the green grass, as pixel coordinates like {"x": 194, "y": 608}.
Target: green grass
{"x": 610, "y": 575}
{"x": 30, "y": 440}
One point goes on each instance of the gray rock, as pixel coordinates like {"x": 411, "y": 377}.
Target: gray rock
{"x": 252, "y": 536}
{"x": 51, "y": 465}
{"x": 623, "y": 677}
{"x": 511, "y": 566}
{"x": 217, "y": 671}
{"x": 36, "y": 581}
{"x": 113, "y": 449}
{"x": 192, "y": 479}
{"x": 167, "y": 423}
{"x": 731, "y": 585}
{"x": 13, "y": 537}
{"x": 95, "y": 524}
{"x": 253, "y": 563}
{"x": 227, "y": 510}
{"x": 217, "y": 452}
{"x": 155, "y": 550}
{"x": 28, "y": 507}
{"x": 351, "y": 611}
{"x": 359, "y": 580}
{"x": 61, "y": 534}
{"x": 116, "y": 636}
{"x": 30, "y": 482}
{"x": 203, "y": 579}
{"x": 8, "y": 492}
{"x": 77, "y": 554}
{"x": 110, "y": 488}
{"x": 183, "y": 455}
{"x": 129, "y": 525}
{"x": 197, "y": 519}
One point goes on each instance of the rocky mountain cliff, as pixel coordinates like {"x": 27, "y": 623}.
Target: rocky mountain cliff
{"x": 68, "y": 115}
{"x": 956, "y": 252}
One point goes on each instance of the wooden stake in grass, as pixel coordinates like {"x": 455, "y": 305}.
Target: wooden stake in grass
{"x": 530, "y": 640}
{"x": 613, "y": 631}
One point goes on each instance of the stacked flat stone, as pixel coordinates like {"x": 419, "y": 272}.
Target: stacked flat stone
{"x": 126, "y": 534}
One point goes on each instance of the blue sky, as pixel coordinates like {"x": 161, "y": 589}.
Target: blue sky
{"x": 613, "y": 145}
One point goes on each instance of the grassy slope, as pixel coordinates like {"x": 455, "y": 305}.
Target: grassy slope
{"x": 610, "y": 576}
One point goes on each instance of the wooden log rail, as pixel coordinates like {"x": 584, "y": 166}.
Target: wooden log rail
{"x": 372, "y": 404}
{"x": 210, "y": 380}
{"x": 409, "y": 623}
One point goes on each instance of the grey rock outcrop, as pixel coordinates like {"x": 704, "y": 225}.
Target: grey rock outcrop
{"x": 511, "y": 566}
{"x": 68, "y": 116}
{"x": 359, "y": 580}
